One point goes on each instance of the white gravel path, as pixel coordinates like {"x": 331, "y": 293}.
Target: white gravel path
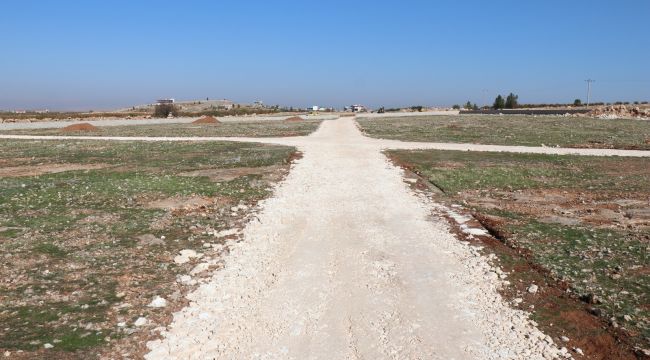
{"x": 345, "y": 262}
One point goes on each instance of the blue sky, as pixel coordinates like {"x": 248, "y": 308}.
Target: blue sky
{"x": 77, "y": 55}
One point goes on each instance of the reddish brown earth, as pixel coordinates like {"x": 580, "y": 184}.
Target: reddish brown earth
{"x": 80, "y": 127}
{"x": 294, "y": 119}
{"x": 207, "y": 120}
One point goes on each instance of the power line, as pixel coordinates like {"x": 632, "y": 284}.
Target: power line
{"x": 589, "y": 82}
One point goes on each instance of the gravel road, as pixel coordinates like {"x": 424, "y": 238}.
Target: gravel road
{"x": 346, "y": 262}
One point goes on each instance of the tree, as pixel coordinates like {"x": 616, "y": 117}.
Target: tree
{"x": 499, "y": 103}
{"x": 577, "y": 102}
{"x": 468, "y": 105}
{"x": 475, "y": 107}
{"x": 511, "y": 101}
{"x": 456, "y": 107}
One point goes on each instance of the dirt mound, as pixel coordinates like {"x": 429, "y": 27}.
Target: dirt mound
{"x": 80, "y": 127}
{"x": 619, "y": 111}
{"x": 207, "y": 120}
{"x": 294, "y": 119}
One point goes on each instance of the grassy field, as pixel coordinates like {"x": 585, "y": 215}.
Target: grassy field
{"x": 248, "y": 129}
{"x": 89, "y": 231}
{"x": 584, "y": 219}
{"x": 514, "y": 130}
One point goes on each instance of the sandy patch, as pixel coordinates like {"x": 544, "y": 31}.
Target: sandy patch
{"x": 177, "y": 203}
{"x": 36, "y": 170}
{"x": 231, "y": 174}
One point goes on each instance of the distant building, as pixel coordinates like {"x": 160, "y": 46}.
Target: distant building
{"x": 356, "y": 108}
{"x": 223, "y": 104}
{"x": 165, "y": 101}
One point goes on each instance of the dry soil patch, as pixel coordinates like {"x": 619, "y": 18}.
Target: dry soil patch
{"x": 36, "y": 170}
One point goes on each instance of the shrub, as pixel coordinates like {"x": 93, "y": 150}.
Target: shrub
{"x": 163, "y": 110}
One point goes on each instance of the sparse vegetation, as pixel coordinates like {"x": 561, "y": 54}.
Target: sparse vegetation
{"x": 84, "y": 251}
{"x": 248, "y": 128}
{"x": 514, "y": 130}
{"x": 586, "y": 220}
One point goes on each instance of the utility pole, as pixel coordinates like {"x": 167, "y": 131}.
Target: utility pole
{"x": 589, "y": 82}
{"x": 485, "y": 91}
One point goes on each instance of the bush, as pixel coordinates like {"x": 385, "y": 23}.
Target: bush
{"x": 456, "y": 107}
{"x": 163, "y": 110}
{"x": 577, "y": 102}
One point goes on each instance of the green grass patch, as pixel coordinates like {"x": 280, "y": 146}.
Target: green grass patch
{"x": 70, "y": 240}
{"x": 513, "y": 130}
{"x": 580, "y": 217}
{"x": 269, "y": 128}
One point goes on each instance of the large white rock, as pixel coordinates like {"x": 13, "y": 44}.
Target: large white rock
{"x": 158, "y": 302}
{"x": 186, "y": 255}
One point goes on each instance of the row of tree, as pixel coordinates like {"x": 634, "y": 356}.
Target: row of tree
{"x": 509, "y": 102}
{"x": 468, "y": 106}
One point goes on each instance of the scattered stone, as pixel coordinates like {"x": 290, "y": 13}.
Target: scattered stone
{"x": 224, "y": 233}
{"x": 200, "y": 268}
{"x": 564, "y": 338}
{"x": 158, "y": 302}
{"x": 186, "y": 280}
{"x": 150, "y": 240}
{"x": 48, "y": 346}
{"x": 185, "y": 256}
{"x": 141, "y": 321}
{"x": 578, "y": 351}
{"x": 533, "y": 289}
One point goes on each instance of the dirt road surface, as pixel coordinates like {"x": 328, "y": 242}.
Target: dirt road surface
{"x": 345, "y": 262}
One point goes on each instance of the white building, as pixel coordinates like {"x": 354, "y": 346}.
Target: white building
{"x": 356, "y": 108}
